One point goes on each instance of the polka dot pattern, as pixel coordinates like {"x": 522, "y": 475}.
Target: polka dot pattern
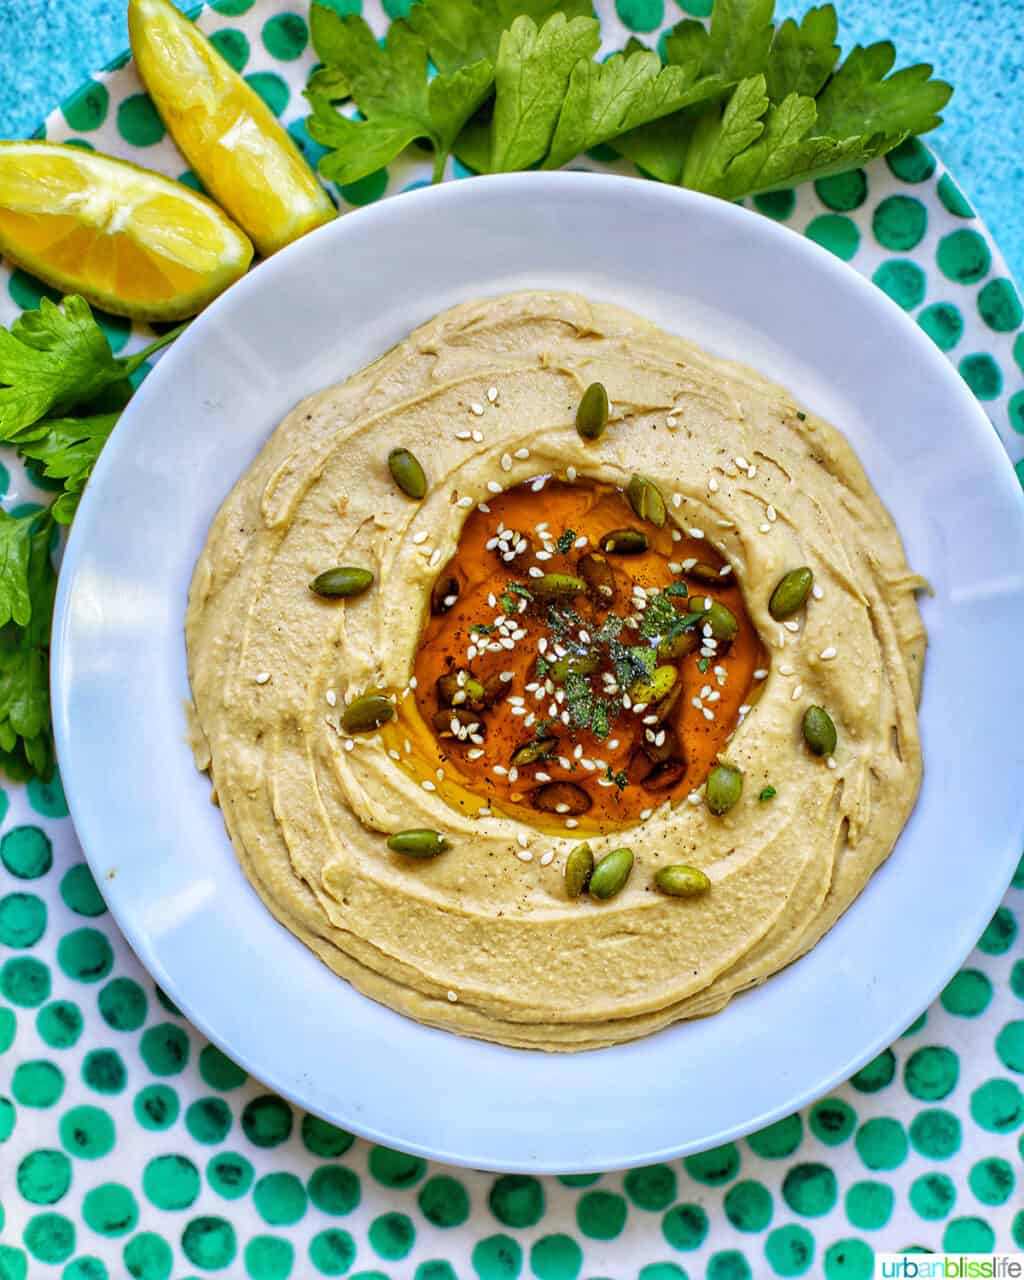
{"x": 137, "y": 1149}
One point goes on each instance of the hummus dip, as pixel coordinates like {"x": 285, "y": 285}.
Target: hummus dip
{"x": 484, "y": 939}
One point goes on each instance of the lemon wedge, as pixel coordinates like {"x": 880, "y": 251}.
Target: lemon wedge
{"x": 131, "y": 241}
{"x": 228, "y": 134}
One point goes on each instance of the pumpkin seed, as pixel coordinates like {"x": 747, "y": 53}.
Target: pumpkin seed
{"x": 611, "y": 873}
{"x": 724, "y": 786}
{"x": 703, "y": 573}
{"x": 790, "y": 593}
{"x": 819, "y": 731}
{"x": 446, "y": 589}
{"x": 681, "y": 881}
{"x": 344, "y": 581}
{"x": 625, "y": 542}
{"x": 664, "y": 776}
{"x": 531, "y": 752}
{"x": 658, "y": 686}
{"x": 558, "y": 586}
{"x": 578, "y": 869}
{"x": 581, "y": 664}
{"x": 563, "y": 798}
{"x": 367, "y": 713}
{"x": 407, "y": 473}
{"x": 721, "y": 620}
{"x": 418, "y": 842}
{"x": 592, "y": 412}
{"x": 597, "y": 573}
{"x": 646, "y": 500}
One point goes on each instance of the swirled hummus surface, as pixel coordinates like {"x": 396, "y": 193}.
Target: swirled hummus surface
{"x": 483, "y": 939}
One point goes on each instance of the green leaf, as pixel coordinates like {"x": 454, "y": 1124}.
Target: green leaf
{"x": 26, "y": 737}
{"x": 67, "y": 448}
{"x": 803, "y": 57}
{"x": 460, "y": 32}
{"x": 390, "y": 87}
{"x": 531, "y": 79}
{"x": 329, "y": 84}
{"x": 579, "y": 700}
{"x": 51, "y": 359}
{"x": 15, "y": 551}
{"x": 740, "y": 38}
{"x": 719, "y": 136}
{"x": 859, "y": 100}
{"x": 606, "y": 99}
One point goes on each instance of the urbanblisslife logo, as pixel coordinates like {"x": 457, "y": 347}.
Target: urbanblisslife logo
{"x": 949, "y": 1266}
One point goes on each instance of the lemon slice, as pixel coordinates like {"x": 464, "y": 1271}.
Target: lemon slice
{"x": 226, "y": 131}
{"x": 129, "y": 240}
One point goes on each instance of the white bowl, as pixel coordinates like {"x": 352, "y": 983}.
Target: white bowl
{"x": 745, "y": 288}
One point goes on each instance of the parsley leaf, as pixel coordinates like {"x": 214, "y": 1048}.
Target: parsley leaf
{"x": 67, "y": 449}
{"x": 26, "y": 736}
{"x": 391, "y": 89}
{"x": 767, "y": 793}
{"x": 458, "y": 32}
{"x": 531, "y": 79}
{"x": 803, "y": 56}
{"x": 860, "y": 100}
{"x": 565, "y": 541}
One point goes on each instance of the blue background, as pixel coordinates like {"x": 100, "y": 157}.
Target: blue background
{"x": 47, "y": 47}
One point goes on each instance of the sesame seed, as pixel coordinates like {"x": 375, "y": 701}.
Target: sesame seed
{"x": 475, "y": 753}
{"x": 493, "y": 486}
{"x": 463, "y": 435}
{"x": 725, "y": 570}
{"x": 484, "y": 812}
{"x": 543, "y": 555}
{"x": 331, "y": 697}
{"x": 349, "y": 743}
{"x": 499, "y": 769}
{"x": 506, "y": 676}
{"x": 524, "y": 855}
{"x": 465, "y": 502}
{"x": 695, "y": 533}
{"x": 712, "y": 484}
{"x": 676, "y": 536}
{"x": 743, "y": 710}
{"x": 771, "y": 513}
{"x": 786, "y": 669}
{"x": 570, "y": 474}
{"x": 791, "y": 624}
{"x": 547, "y": 858}
{"x": 741, "y": 462}
{"x": 571, "y": 822}
{"x": 797, "y": 692}
{"x": 522, "y": 454}
{"x": 828, "y": 652}
{"x": 831, "y": 762}
{"x": 477, "y": 409}
{"x": 694, "y": 797}
{"x": 688, "y": 564}
{"x": 670, "y": 422}
{"x": 752, "y": 471}
{"x": 427, "y": 785}
{"x": 262, "y": 677}
{"x": 764, "y": 528}
{"x": 760, "y": 673}
{"x": 708, "y": 714}
{"x": 506, "y": 462}
{"x": 677, "y": 500}
{"x": 394, "y": 754}
{"x": 453, "y": 997}
{"x": 581, "y": 541}
{"x": 478, "y": 437}
{"x": 435, "y": 558}
{"x": 612, "y": 743}
{"x": 492, "y": 394}
{"x": 724, "y": 524}
{"x": 534, "y": 572}
{"x": 561, "y": 808}
{"x": 539, "y": 484}
{"x": 817, "y": 592}
{"x": 541, "y": 776}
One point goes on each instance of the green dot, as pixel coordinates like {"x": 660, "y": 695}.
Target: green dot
{"x": 911, "y": 161}
{"x": 25, "y": 981}
{"x": 324, "y": 1139}
{"x": 843, "y": 192}
{"x": 967, "y": 994}
{"x": 232, "y": 8}
{"x": 849, "y": 1260}
{"x": 931, "y": 1073}
{"x": 37, "y": 1083}
{"x": 87, "y": 1132}
{"x": 685, "y": 1226}
{"x": 556, "y": 1257}
{"x": 696, "y": 8}
{"x": 138, "y": 122}
{"x": 932, "y": 1196}
{"x": 963, "y": 256}
{"x": 7, "y": 1118}
{"x": 285, "y": 37}
{"x": 810, "y": 1189}
{"x": 269, "y": 1258}
{"x": 78, "y": 889}
{"x": 334, "y": 1189}
{"x": 392, "y": 1236}
{"x": 1017, "y": 1230}
{"x": 209, "y": 1243}
{"x": 444, "y": 1201}
{"x": 776, "y": 204}
{"x": 104, "y": 1071}
{"x": 110, "y": 1209}
{"x": 1015, "y": 411}
{"x": 998, "y": 1106}
{"x": 640, "y": 15}
{"x": 600, "y": 1215}
{"x": 50, "y": 1237}
{"x": 86, "y": 108}
{"x": 218, "y": 1070}
{"x": 1017, "y": 979}
{"x": 935, "y": 1133}
{"x": 968, "y": 1235}
{"x": 47, "y": 798}
{"x": 985, "y": 379}
{"x": 272, "y": 89}
{"x": 992, "y": 1180}
{"x": 230, "y": 1175}
{"x": 26, "y": 291}
{"x": 148, "y": 1256}
{"x": 1010, "y": 1046}
{"x": 189, "y": 179}
{"x": 881, "y": 1143}
{"x": 899, "y": 223}
{"x": 395, "y": 1168}
{"x": 779, "y": 1139}
{"x": 13, "y": 1263}
{"x": 517, "y": 1200}
{"x": 233, "y": 47}
{"x": 903, "y": 281}
{"x": 365, "y": 190}
{"x": 714, "y": 1167}
{"x": 122, "y": 1004}
{"x": 8, "y": 1028}
{"x": 1001, "y": 931}
{"x": 267, "y": 1121}
{"x": 26, "y": 852}
{"x": 578, "y": 1179}
{"x": 652, "y": 1188}
{"x": 59, "y": 1024}
{"x": 280, "y": 1199}
{"x": 156, "y": 1107}
{"x": 22, "y": 919}
{"x": 832, "y": 1121}
{"x": 789, "y": 1250}
{"x": 876, "y": 1074}
{"x": 167, "y": 1002}
{"x": 164, "y": 1049}
{"x": 208, "y": 1120}
{"x": 44, "y": 1176}
{"x": 748, "y": 1206}
{"x": 332, "y": 1252}
{"x": 171, "y": 1182}
{"x": 953, "y": 199}
{"x": 85, "y": 955}
{"x": 869, "y": 1205}
{"x": 497, "y": 1258}
{"x": 944, "y": 324}
{"x": 999, "y": 306}
{"x": 835, "y": 232}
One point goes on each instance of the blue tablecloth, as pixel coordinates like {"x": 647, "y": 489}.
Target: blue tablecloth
{"x": 47, "y": 47}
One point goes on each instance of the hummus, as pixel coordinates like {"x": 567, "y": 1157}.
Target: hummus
{"x": 483, "y": 939}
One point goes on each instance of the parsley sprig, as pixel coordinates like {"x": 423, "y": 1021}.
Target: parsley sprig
{"x": 61, "y": 392}
{"x": 741, "y": 107}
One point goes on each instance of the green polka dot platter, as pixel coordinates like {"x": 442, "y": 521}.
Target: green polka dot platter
{"x": 129, "y": 1146}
